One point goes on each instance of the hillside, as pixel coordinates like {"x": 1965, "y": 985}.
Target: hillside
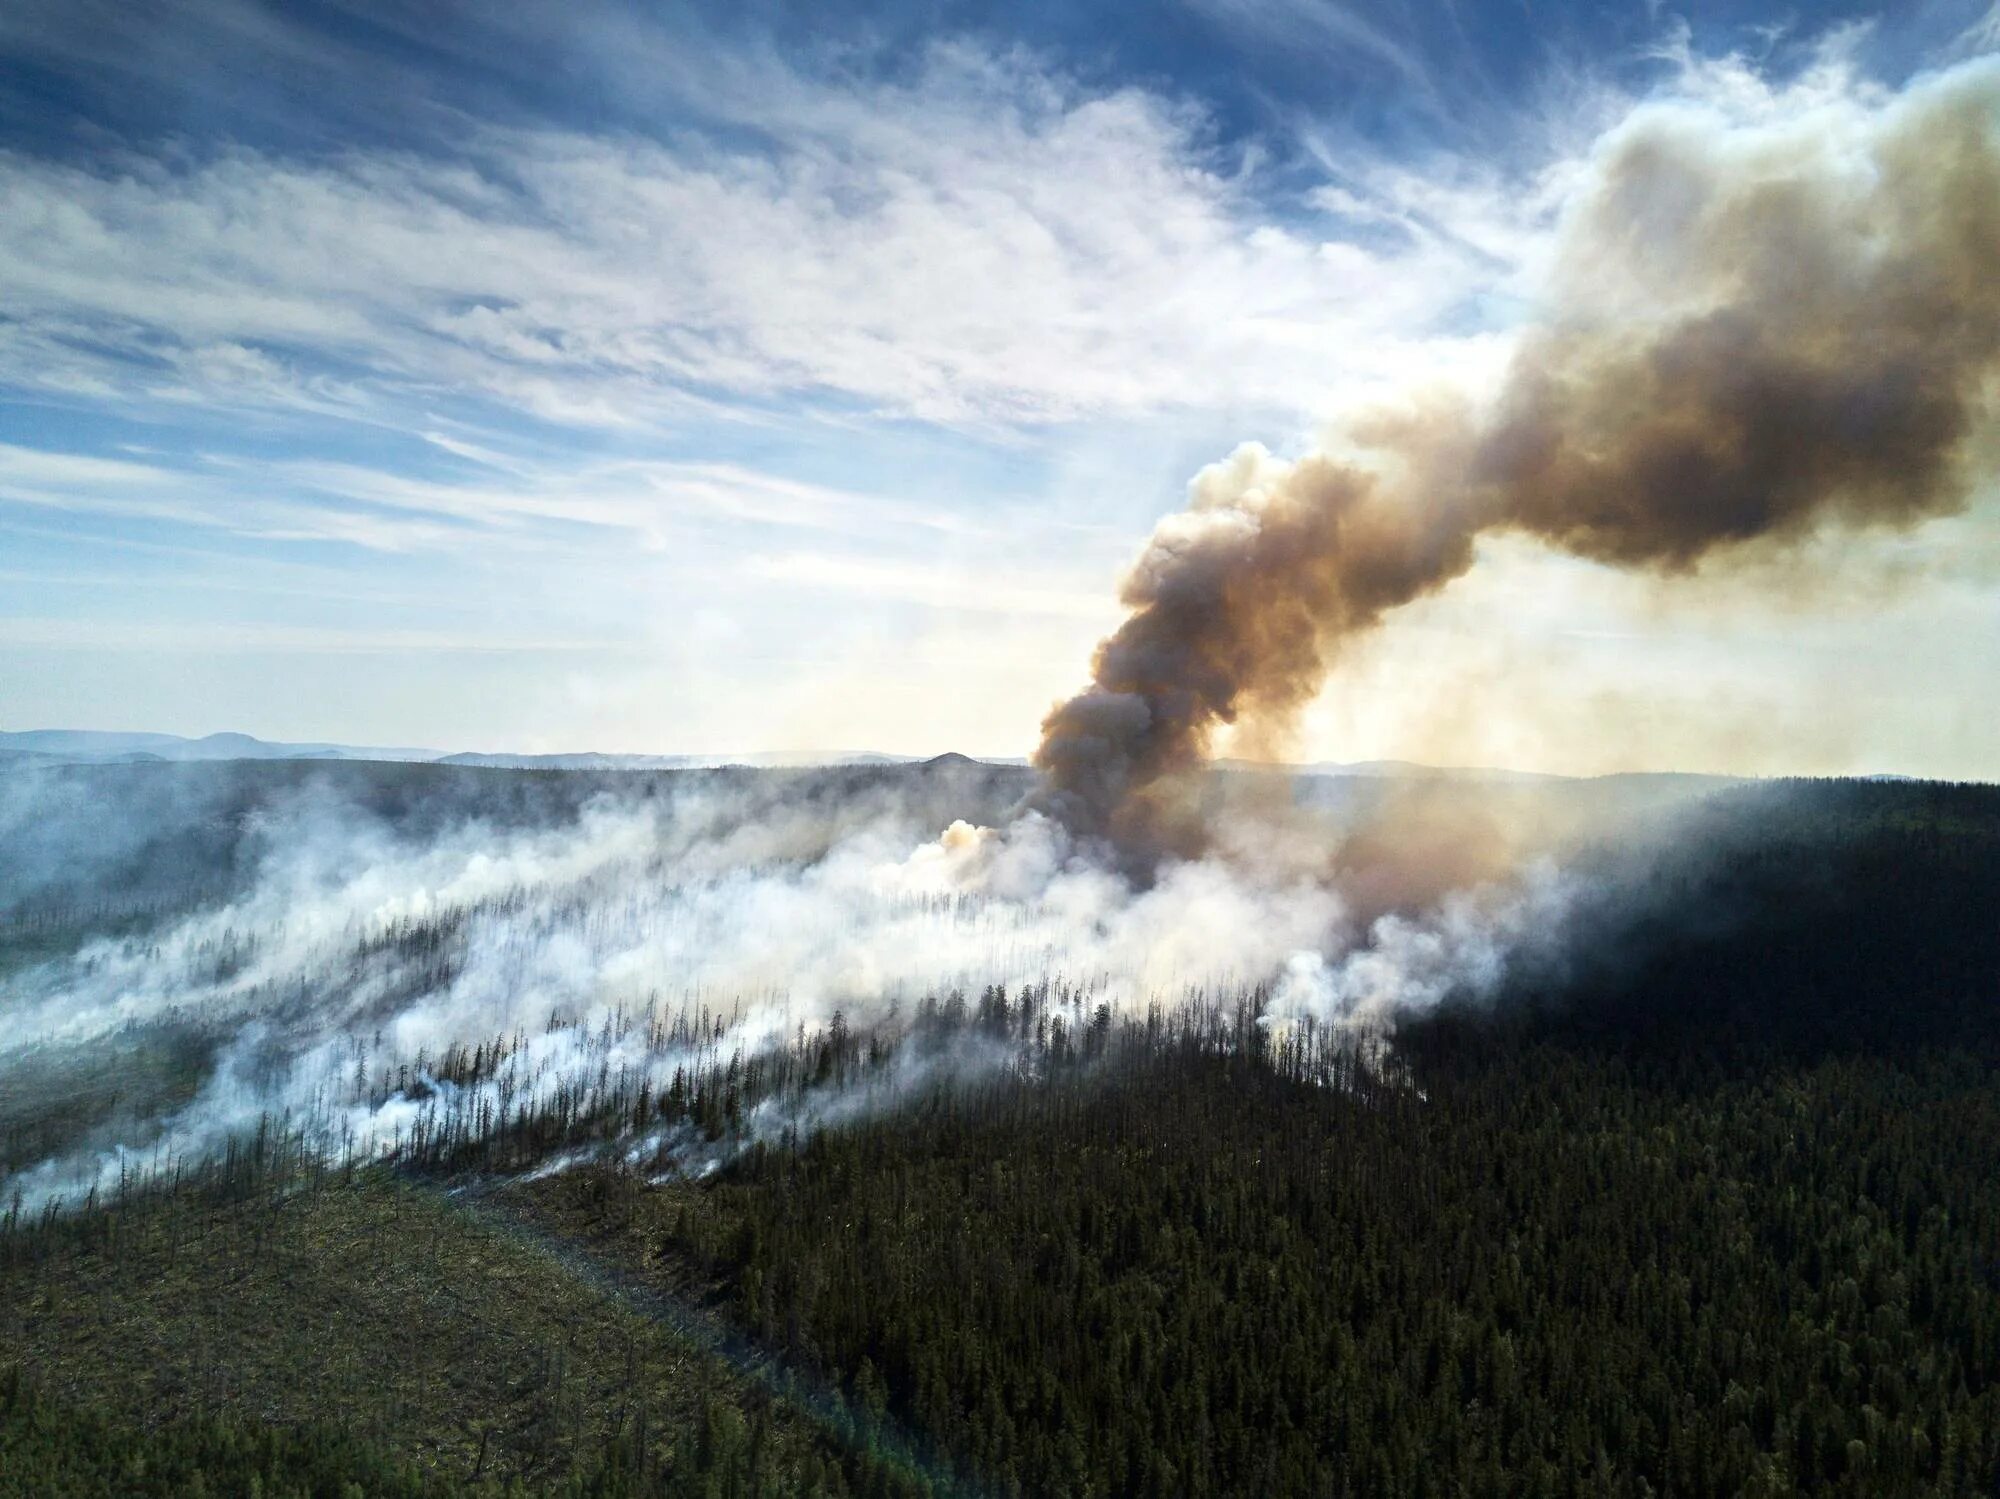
{"x": 1703, "y": 1204}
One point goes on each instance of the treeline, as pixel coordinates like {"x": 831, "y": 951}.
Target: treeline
{"x": 1557, "y": 1273}
{"x": 718, "y": 1100}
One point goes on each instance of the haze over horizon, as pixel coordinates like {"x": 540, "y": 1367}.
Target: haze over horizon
{"x": 701, "y": 381}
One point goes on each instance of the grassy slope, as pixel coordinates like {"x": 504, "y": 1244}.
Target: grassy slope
{"x": 48, "y": 1447}
{"x": 369, "y": 1305}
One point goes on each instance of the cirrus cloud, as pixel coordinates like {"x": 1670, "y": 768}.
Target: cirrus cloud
{"x": 987, "y": 244}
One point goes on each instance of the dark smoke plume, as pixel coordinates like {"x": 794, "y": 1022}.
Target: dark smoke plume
{"x": 1754, "y": 332}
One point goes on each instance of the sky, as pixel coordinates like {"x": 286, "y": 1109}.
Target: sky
{"x": 709, "y": 379}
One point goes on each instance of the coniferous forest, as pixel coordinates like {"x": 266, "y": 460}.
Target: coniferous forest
{"x": 503, "y": 502}
{"x": 1707, "y": 1204}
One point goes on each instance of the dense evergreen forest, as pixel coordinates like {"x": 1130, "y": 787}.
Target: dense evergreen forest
{"x": 1554, "y": 1274}
{"x": 1705, "y": 1201}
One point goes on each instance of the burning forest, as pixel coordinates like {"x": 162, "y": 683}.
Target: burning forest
{"x": 1750, "y": 332}
{"x": 1152, "y": 1117}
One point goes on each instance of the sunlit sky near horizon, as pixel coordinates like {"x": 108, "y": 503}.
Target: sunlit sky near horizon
{"x": 583, "y": 375}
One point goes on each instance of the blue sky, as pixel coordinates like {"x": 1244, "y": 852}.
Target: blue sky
{"x": 586, "y": 375}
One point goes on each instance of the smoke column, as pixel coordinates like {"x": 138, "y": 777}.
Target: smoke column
{"x": 1754, "y": 330}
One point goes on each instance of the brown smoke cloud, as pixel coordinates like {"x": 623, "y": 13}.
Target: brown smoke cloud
{"x": 1753, "y": 332}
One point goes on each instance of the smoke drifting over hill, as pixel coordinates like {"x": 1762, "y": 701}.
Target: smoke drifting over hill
{"x": 643, "y": 930}
{"x": 1751, "y": 331}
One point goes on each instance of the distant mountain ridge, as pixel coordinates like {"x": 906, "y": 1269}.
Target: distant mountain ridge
{"x": 96, "y": 746}
{"x": 600, "y": 760}
{"x": 104, "y": 746}
{"x": 100, "y": 746}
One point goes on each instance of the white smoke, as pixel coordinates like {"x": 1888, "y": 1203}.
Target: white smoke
{"x": 361, "y": 952}
{"x": 1409, "y": 966}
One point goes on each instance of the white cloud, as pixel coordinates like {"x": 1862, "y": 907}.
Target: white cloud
{"x": 987, "y": 244}
{"x": 655, "y": 501}
{"x": 1983, "y": 35}
{"x": 237, "y": 637}
{"x": 228, "y": 498}
{"x": 1325, "y": 31}
{"x": 964, "y": 589}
